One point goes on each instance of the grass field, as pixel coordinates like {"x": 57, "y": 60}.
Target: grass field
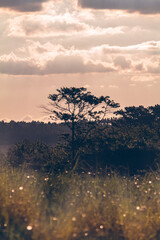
{"x": 87, "y": 206}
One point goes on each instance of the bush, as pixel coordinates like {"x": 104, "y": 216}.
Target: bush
{"x": 36, "y": 155}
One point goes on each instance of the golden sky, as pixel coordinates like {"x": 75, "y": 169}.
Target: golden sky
{"x": 112, "y": 47}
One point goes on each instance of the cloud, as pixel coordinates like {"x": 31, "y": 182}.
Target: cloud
{"x": 148, "y": 78}
{"x": 141, "y": 6}
{"x": 47, "y": 58}
{"x": 19, "y": 67}
{"x": 59, "y": 65}
{"x": 149, "y": 47}
{"x": 43, "y": 25}
{"x": 154, "y": 69}
{"x": 13, "y": 65}
{"x": 22, "y": 5}
{"x": 74, "y": 64}
{"x": 139, "y": 67}
{"x": 27, "y": 118}
{"x": 113, "y": 86}
{"x": 132, "y": 85}
{"x": 121, "y": 62}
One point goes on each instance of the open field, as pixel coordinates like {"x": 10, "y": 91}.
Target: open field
{"x": 88, "y": 206}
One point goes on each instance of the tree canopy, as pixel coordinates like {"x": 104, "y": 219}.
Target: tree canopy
{"x": 79, "y": 104}
{"x": 140, "y": 114}
{"x": 76, "y": 105}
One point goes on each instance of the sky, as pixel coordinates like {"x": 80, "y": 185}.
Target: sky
{"x": 111, "y": 47}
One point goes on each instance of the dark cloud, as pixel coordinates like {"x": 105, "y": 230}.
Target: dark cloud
{"x": 121, "y": 62}
{"x": 12, "y": 67}
{"x": 22, "y": 5}
{"x": 60, "y": 65}
{"x": 142, "y": 6}
{"x": 153, "y": 69}
{"x": 139, "y": 67}
{"x": 73, "y": 64}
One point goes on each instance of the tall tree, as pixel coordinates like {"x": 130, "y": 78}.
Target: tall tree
{"x": 140, "y": 114}
{"x": 77, "y": 105}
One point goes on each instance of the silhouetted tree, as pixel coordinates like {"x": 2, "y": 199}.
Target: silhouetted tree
{"x": 77, "y": 105}
{"x": 35, "y": 155}
{"x": 155, "y": 112}
{"x": 140, "y": 114}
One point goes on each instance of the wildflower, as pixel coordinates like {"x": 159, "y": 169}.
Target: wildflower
{"x": 21, "y": 188}
{"x": 150, "y": 182}
{"x": 54, "y": 219}
{"x": 29, "y": 228}
{"x": 138, "y": 208}
{"x": 12, "y": 190}
{"x": 73, "y": 219}
{"x": 101, "y": 227}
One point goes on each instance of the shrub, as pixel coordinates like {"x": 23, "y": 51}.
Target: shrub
{"x": 35, "y": 155}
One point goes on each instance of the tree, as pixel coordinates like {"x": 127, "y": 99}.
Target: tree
{"x": 35, "y": 155}
{"x": 76, "y": 106}
{"x": 140, "y": 115}
{"x": 136, "y": 115}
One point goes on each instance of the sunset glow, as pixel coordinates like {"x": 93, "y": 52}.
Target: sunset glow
{"x": 110, "y": 47}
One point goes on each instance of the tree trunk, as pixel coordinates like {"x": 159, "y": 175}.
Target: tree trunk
{"x": 73, "y": 139}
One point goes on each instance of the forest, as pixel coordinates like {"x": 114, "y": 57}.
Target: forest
{"x": 130, "y": 142}
{"x": 88, "y": 177}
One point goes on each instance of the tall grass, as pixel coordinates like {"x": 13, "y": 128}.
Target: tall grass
{"x": 86, "y": 206}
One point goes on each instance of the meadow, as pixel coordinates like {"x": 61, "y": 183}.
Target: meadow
{"x": 85, "y": 206}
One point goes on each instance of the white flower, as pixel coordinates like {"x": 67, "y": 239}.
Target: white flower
{"x": 29, "y": 228}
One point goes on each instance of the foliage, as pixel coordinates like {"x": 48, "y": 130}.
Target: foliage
{"x": 131, "y": 142}
{"x": 140, "y": 115}
{"x": 77, "y": 107}
{"x": 78, "y": 104}
{"x": 35, "y": 155}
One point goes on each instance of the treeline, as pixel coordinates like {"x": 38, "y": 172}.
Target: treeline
{"x": 14, "y": 132}
{"x": 132, "y": 141}
{"x": 128, "y": 142}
